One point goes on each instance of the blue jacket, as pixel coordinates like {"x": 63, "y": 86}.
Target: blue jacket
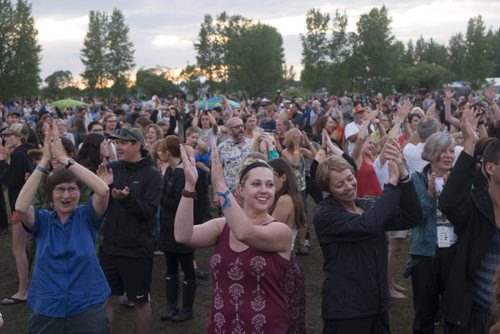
{"x": 423, "y": 238}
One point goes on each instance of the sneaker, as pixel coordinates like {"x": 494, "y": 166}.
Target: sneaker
{"x": 303, "y": 250}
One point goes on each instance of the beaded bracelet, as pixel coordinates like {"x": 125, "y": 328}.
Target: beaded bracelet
{"x": 225, "y": 195}
{"x": 43, "y": 170}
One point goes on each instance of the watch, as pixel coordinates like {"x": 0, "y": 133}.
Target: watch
{"x": 70, "y": 163}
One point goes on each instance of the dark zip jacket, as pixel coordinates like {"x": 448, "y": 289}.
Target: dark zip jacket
{"x": 470, "y": 210}
{"x": 355, "y": 250}
{"x": 128, "y": 226}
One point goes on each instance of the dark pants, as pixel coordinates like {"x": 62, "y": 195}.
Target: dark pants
{"x": 377, "y": 324}
{"x": 4, "y": 220}
{"x": 479, "y": 323}
{"x": 92, "y": 321}
{"x": 186, "y": 262}
{"x": 428, "y": 279}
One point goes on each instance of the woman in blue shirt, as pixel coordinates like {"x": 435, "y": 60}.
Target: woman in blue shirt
{"x": 68, "y": 290}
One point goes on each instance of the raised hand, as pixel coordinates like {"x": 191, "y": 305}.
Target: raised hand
{"x": 104, "y": 173}
{"x": 490, "y": 93}
{"x": 431, "y": 185}
{"x": 190, "y": 171}
{"x": 216, "y": 172}
{"x": 448, "y": 94}
{"x": 56, "y": 146}
{"x": 466, "y": 124}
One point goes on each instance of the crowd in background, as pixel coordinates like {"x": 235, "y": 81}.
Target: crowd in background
{"x": 183, "y": 175}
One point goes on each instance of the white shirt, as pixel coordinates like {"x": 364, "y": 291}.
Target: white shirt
{"x": 382, "y": 172}
{"x": 413, "y": 156}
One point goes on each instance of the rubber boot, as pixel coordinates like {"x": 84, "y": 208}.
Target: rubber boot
{"x": 188, "y": 293}
{"x": 172, "y": 288}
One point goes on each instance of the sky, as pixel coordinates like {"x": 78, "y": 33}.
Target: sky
{"x": 163, "y": 32}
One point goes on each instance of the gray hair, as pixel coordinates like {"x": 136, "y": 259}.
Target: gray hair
{"x": 231, "y": 121}
{"x": 426, "y": 127}
{"x": 435, "y": 144}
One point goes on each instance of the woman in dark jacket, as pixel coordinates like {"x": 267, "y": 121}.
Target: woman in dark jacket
{"x": 351, "y": 235}
{"x": 468, "y": 299}
{"x": 175, "y": 253}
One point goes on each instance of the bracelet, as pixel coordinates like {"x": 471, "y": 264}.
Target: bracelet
{"x": 41, "y": 169}
{"x": 188, "y": 194}
{"x": 225, "y": 195}
{"x": 405, "y": 179}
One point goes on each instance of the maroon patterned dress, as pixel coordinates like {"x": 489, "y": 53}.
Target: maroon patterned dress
{"x": 247, "y": 290}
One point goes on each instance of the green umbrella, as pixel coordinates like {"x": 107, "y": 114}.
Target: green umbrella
{"x": 68, "y": 103}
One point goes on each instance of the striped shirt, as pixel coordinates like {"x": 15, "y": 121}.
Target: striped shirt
{"x": 485, "y": 275}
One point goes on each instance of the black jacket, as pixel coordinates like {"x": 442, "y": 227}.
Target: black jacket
{"x": 355, "y": 250}
{"x": 470, "y": 210}
{"x": 128, "y": 226}
{"x": 13, "y": 174}
{"x": 173, "y": 184}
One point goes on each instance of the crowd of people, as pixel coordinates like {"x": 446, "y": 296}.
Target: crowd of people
{"x": 103, "y": 188}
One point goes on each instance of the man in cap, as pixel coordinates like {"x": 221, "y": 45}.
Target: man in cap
{"x": 128, "y": 245}
{"x": 14, "y": 164}
{"x": 352, "y": 129}
{"x": 13, "y": 117}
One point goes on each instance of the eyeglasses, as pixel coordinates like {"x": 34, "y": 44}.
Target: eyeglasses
{"x": 97, "y": 130}
{"x": 70, "y": 190}
{"x": 237, "y": 126}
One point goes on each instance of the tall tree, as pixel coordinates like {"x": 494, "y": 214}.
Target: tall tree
{"x": 209, "y": 52}
{"x": 93, "y": 54}
{"x": 478, "y": 66}
{"x": 340, "y": 52}
{"x": 256, "y": 60}
{"x": 374, "y": 54}
{"x": 20, "y": 51}
{"x": 315, "y": 50}
{"x": 456, "y": 56}
{"x": 120, "y": 50}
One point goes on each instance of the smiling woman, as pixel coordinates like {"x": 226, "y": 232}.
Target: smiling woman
{"x": 67, "y": 279}
{"x": 352, "y": 237}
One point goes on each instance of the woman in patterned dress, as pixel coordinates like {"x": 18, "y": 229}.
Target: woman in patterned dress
{"x": 251, "y": 253}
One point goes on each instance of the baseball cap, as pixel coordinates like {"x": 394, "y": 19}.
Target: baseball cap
{"x": 16, "y": 129}
{"x": 132, "y": 134}
{"x": 14, "y": 112}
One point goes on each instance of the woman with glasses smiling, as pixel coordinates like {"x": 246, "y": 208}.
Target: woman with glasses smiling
{"x": 68, "y": 290}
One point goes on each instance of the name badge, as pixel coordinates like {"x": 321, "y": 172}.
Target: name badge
{"x": 443, "y": 236}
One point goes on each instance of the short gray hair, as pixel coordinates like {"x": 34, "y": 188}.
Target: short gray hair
{"x": 231, "y": 121}
{"x": 426, "y": 127}
{"x": 435, "y": 144}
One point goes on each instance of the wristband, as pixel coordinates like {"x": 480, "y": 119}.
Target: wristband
{"x": 41, "y": 169}
{"x": 405, "y": 179}
{"x": 225, "y": 195}
{"x": 188, "y": 194}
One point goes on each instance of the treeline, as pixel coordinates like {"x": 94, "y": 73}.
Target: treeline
{"x": 372, "y": 60}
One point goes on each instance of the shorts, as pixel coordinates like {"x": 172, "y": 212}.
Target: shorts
{"x": 128, "y": 274}
{"x": 397, "y": 234}
{"x": 91, "y": 321}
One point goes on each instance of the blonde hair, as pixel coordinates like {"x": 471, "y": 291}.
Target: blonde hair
{"x": 333, "y": 163}
{"x": 289, "y": 137}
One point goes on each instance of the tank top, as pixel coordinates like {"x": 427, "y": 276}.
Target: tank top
{"x": 248, "y": 293}
{"x": 368, "y": 184}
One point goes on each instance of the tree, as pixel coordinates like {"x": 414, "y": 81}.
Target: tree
{"x": 340, "y": 54}
{"x": 422, "y": 75}
{"x": 20, "y": 51}
{"x": 478, "y": 66}
{"x": 256, "y": 60}
{"x": 315, "y": 50}
{"x": 209, "y": 51}
{"x": 456, "y": 56}
{"x": 120, "y": 50}
{"x": 56, "y": 82}
{"x": 149, "y": 82}
{"x": 93, "y": 54}
{"x": 373, "y": 52}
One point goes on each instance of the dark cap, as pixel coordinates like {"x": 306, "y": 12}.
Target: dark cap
{"x": 132, "y": 134}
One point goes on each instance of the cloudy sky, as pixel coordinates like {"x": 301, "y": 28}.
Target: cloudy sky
{"x": 163, "y": 32}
